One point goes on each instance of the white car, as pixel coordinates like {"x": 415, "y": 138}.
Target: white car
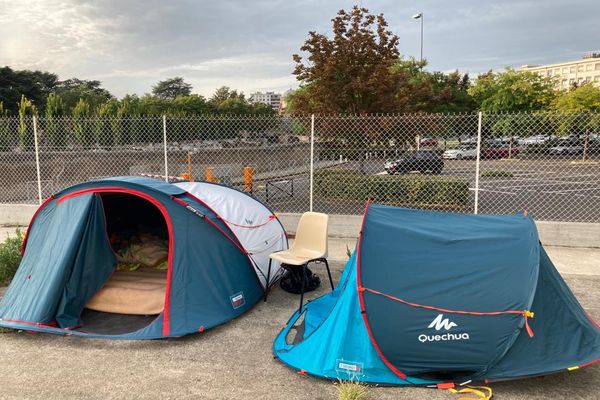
{"x": 460, "y": 153}
{"x": 537, "y": 139}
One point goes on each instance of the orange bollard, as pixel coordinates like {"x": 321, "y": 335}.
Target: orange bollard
{"x": 208, "y": 175}
{"x": 248, "y": 179}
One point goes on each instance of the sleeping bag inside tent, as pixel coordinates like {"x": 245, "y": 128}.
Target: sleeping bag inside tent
{"x": 432, "y": 297}
{"x": 138, "y": 258}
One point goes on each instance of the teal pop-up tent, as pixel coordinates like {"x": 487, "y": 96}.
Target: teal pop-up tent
{"x": 216, "y": 245}
{"x": 432, "y": 297}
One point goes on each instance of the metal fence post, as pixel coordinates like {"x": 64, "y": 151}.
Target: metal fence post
{"x": 164, "y": 118}
{"x": 37, "y": 159}
{"x": 312, "y": 155}
{"x": 478, "y": 159}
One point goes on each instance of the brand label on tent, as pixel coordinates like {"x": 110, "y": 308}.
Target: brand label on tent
{"x": 349, "y": 367}
{"x": 438, "y": 324}
{"x": 237, "y": 300}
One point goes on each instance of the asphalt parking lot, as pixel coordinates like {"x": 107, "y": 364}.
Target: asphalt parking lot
{"x": 233, "y": 361}
{"x": 550, "y": 189}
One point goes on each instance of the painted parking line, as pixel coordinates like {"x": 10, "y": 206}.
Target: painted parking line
{"x": 552, "y": 183}
{"x": 572, "y": 190}
{"x": 492, "y": 191}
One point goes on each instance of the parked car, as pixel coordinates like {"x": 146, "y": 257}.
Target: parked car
{"x": 536, "y": 139}
{"x": 421, "y": 161}
{"x": 429, "y": 142}
{"x": 461, "y": 152}
{"x": 567, "y": 147}
{"x": 499, "y": 151}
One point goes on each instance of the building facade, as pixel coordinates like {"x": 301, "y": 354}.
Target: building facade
{"x": 269, "y": 98}
{"x": 567, "y": 74}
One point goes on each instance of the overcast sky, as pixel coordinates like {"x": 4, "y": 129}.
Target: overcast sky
{"x": 131, "y": 44}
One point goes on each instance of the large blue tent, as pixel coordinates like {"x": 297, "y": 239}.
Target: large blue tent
{"x": 429, "y": 298}
{"x": 211, "y": 275}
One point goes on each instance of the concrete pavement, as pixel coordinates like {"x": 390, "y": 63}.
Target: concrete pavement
{"x": 233, "y": 361}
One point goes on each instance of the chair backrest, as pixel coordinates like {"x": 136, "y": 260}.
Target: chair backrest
{"x": 311, "y": 234}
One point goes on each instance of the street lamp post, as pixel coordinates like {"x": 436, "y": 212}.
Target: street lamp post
{"x": 420, "y": 16}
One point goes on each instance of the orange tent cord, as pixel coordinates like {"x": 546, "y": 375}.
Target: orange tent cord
{"x": 271, "y": 218}
{"x": 525, "y": 313}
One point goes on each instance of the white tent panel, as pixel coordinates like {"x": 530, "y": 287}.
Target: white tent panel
{"x": 257, "y": 228}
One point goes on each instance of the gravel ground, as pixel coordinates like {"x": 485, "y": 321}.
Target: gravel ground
{"x": 233, "y": 361}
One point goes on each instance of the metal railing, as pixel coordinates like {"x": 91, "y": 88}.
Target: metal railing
{"x": 546, "y": 163}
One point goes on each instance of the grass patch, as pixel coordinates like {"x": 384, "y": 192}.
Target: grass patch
{"x": 351, "y": 390}
{"x": 497, "y": 173}
{"x": 5, "y": 330}
{"x": 10, "y": 256}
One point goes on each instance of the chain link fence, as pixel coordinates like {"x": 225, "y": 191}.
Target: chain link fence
{"x": 545, "y": 163}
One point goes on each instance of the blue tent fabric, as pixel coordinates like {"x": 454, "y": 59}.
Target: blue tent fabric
{"x": 407, "y": 308}
{"x": 68, "y": 257}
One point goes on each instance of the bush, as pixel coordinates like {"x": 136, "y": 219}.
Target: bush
{"x": 10, "y": 256}
{"x": 496, "y": 173}
{"x": 410, "y": 191}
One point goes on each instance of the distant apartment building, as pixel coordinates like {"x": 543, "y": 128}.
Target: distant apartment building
{"x": 269, "y": 98}
{"x": 566, "y": 74}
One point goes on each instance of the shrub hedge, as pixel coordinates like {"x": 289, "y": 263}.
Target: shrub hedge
{"x": 409, "y": 190}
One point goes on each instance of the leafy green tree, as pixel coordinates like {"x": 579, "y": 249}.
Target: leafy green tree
{"x": 580, "y": 99}
{"x": 81, "y": 119}
{"x": 188, "y": 105}
{"x": 153, "y": 105}
{"x": 55, "y": 126}
{"x": 513, "y": 91}
{"x": 34, "y": 85}
{"x": 73, "y": 90}
{"x": 26, "y": 110}
{"x": 225, "y": 93}
{"x": 5, "y": 134}
{"x": 106, "y": 125}
{"x": 171, "y": 88}
{"x": 350, "y": 72}
{"x": 581, "y": 105}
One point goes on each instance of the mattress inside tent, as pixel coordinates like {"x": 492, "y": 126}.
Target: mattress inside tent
{"x": 140, "y": 292}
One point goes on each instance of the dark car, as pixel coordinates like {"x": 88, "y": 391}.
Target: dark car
{"x": 421, "y": 161}
{"x": 500, "y": 151}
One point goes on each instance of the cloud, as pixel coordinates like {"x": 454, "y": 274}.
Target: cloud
{"x": 130, "y": 45}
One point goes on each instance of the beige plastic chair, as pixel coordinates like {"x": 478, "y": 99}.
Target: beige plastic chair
{"x": 310, "y": 245}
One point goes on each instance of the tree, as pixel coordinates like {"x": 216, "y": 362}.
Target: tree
{"x": 580, "y": 99}
{"x": 5, "y": 132}
{"x": 34, "y": 85}
{"x": 81, "y": 119}
{"x": 513, "y": 91}
{"x": 55, "y": 109}
{"x": 26, "y": 109}
{"x": 73, "y": 90}
{"x": 349, "y": 73}
{"x": 171, "y": 88}
{"x": 225, "y": 93}
{"x": 582, "y": 104}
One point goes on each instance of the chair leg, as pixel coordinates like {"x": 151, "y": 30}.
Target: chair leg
{"x": 303, "y": 283}
{"x": 328, "y": 273}
{"x": 268, "y": 277}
